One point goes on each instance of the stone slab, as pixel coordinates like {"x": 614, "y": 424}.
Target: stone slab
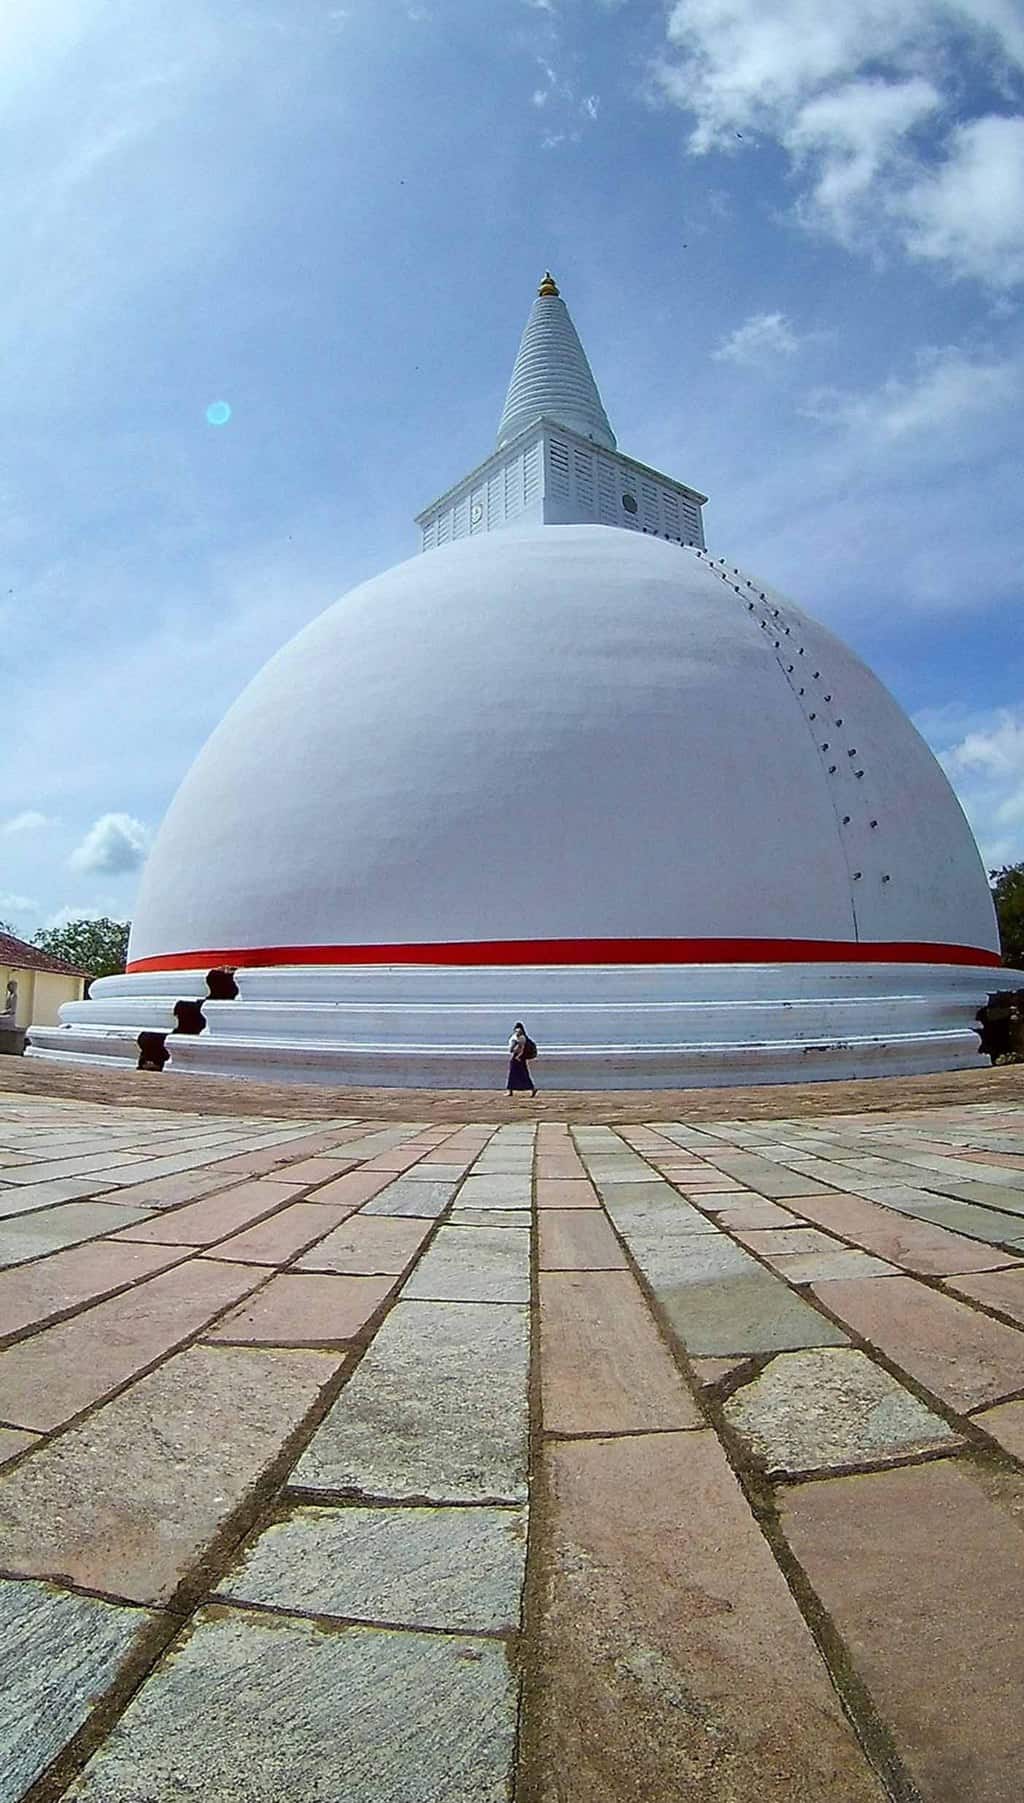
{"x": 215, "y": 1217}
{"x": 60, "y": 1652}
{"x": 436, "y": 1409}
{"x": 744, "y": 1314}
{"x": 668, "y": 1253}
{"x": 652, "y": 1194}
{"x": 458, "y": 1569}
{"x": 316, "y": 1170}
{"x": 720, "y": 1301}
{"x": 1003, "y": 1290}
{"x": 559, "y": 1168}
{"x": 307, "y": 1310}
{"x": 574, "y": 1239}
{"x": 770, "y": 1241}
{"x": 566, "y": 1192}
{"x": 428, "y": 1171}
{"x": 822, "y": 1410}
{"x": 490, "y": 1217}
{"x": 367, "y": 1248}
{"x": 19, "y": 1201}
{"x": 412, "y": 1196}
{"x": 963, "y": 1357}
{"x": 660, "y": 1209}
{"x": 355, "y": 1187}
{"x": 281, "y": 1236}
{"x": 502, "y": 1191}
{"x": 54, "y": 1374}
{"x": 472, "y": 1264}
{"x": 988, "y": 1224}
{"x": 712, "y": 1371}
{"x": 921, "y": 1246}
{"x": 14, "y": 1440}
{"x": 673, "y": 1661}
{"x": 938, "y": 1640}
{"x": 32, "y": 1294}
{"x": 292, "y": 1705}
{"x": 168, "y": 1192}
{"x": 126, "y": 1502}
{"x": 604, "y": 1367}
{"x": 757, "y": 1212}
{"x": 33, "y": 1236}
{"x": 821, "y": 1267}
{"x": 1006, "y": 1425}
{"x": 770, "y": 1180}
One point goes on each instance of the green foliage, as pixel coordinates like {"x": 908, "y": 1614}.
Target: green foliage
{"x": 98, "y": 946}
{"x": 1008, "y": 895}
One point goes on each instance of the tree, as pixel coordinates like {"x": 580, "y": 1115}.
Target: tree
{"x": 1008, "y": 895}
{"x": 98, "y": 946}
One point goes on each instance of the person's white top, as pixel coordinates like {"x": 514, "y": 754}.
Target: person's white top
{"x": 515, "y": 1041}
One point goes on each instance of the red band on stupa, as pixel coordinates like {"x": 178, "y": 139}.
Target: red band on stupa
{"x": 473, "y": 952}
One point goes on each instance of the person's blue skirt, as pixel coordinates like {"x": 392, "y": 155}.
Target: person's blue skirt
{"x": 518, "y": 1074}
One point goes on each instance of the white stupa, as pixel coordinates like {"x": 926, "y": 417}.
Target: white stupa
{"x": 565, "y": 767}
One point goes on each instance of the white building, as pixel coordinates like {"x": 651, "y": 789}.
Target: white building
{"x": 566, "y": 767}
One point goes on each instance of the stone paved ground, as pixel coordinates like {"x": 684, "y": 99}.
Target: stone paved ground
{"x": 309, "y": 1102}
{"x": 366, "y": 1459}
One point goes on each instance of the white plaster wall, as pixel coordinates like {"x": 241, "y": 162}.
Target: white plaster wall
{"x": 557, "y": 732}
{"x": 597, "y": 1028}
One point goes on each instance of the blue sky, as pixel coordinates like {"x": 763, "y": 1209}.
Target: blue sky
{"x": 791, "y": 235}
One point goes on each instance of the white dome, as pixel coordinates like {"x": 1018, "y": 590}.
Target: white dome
{"x": 573, "y": 775}
{"x": 570, "y": 733}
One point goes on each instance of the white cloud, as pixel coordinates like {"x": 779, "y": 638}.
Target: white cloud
{"x": 945, "y": 388}
{"x": 983, "y": 756}
{"x": 761, "y": 339}
{"x": 28, "y": 821}
{"x": 969, "y": 213}
{"x": 847, "y": 90}
{"x": 12, "y": 905}
{"x": 848, "y": 139}
{"x": 75, "y": 911}
{"x": 114, "y": 844}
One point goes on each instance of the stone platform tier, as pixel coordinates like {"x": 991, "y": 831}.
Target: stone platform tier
{"x": 598, "y": 1027}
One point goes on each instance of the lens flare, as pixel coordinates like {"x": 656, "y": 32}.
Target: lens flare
{"x": 218, "y": 413}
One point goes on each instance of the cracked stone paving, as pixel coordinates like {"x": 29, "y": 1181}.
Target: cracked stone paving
{"x": 378, "y": 1460}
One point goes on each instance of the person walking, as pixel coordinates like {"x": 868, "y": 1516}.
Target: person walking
{"x": 520, "y": 1050}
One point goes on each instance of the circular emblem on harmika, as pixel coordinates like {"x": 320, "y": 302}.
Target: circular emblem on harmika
{"x": 629, "y": 503}
{"x": 476, "y": 513}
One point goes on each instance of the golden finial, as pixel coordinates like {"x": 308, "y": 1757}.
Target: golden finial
{"x": 548, "y": 285}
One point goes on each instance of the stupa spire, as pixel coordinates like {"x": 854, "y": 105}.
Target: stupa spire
{"x": 551, "y": 375}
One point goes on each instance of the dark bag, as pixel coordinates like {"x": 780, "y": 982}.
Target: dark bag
{"x": 529, "y": 1050}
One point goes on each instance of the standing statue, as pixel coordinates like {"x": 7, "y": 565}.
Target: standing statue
{"x": 11, "y": 1000}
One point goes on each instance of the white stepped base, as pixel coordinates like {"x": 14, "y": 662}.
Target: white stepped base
{"x": 601, "y": 1027}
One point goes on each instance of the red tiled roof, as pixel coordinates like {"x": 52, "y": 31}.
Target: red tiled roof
{"x": 30, "y": 957}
